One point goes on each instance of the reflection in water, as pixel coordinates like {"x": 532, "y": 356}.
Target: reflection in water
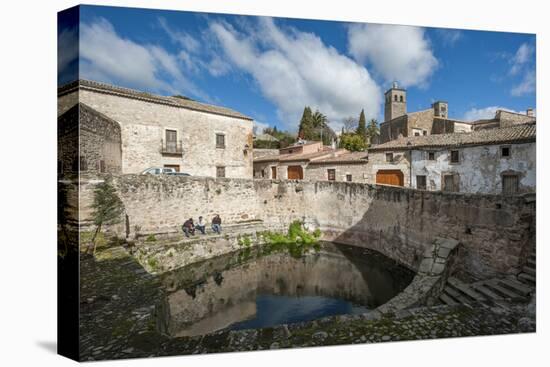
{"x": 266, "y": 289}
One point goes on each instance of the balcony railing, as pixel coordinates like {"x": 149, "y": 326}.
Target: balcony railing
{"x": 171, "y": 147}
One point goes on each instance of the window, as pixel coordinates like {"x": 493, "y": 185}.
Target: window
{"x": 274, "y": 172}
{"x": 348, "y": 178}
{"x": 416, "y": 133}
{"x": 220, "y": 171}
{"x": 505, "y": 152}
{"x": 395, "y": 98}
{"x": 83, "y": 163}
{"x": 331, "y": 174}
{"x": 450, "y": 183}
{"x": 389, "y": 157}
{"x": 400, "y": 98}
{"x": 431, "y": 156}
{"x": 171, "y": 141}
{"x": 455, "y": 157}
{"x": 102, "y": 166}
{"x": 510, "y": 184}
{"x": 220, "y": 141}
{"x": 424, "y": 132}
{"x": 421, "y": 182}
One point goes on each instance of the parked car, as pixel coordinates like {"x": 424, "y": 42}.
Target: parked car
{"x": 178, "y": 174}
{"x": 158, "y": 171}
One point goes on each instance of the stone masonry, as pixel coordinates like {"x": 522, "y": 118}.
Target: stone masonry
{"x": 496, "y": 232}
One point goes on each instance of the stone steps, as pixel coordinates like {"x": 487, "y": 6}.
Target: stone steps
{"x": 456, "y": 296}
{"x": 448, "y": 300}
{"x": 466, "y": 289}
{"x": 529, "y": 272}
{"x": 516, "y": 287}
{"x": 526, "y": 278}
{"x": 487, "y": 292}
{"x": 505, "y": 292}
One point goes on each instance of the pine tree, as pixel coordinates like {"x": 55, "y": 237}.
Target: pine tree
{"x": 107, "y": 208}
{"x": 305, "y": 129}
{"x": 362, "y": 126}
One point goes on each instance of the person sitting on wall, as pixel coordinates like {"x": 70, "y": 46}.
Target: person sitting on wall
{"x": 217, "y": 224}
{"x": 201, "y": 225}
{"x": 188, "y": 227}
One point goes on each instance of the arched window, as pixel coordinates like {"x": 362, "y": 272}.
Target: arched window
{"x": 395, "y": 98}
{"x": 400, "y": 98}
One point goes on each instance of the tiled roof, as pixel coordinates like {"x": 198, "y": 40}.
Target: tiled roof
{"x": 513, "y": 134}
{"x": 352, "y": 157}
{"x": 148, "y": 97}
{"x": 300, "y": 156}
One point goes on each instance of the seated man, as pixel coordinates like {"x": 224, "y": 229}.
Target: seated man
{"x": 217, "y": 224}
{"x": 188, "y": 227}
{"x": 201, "y": 225}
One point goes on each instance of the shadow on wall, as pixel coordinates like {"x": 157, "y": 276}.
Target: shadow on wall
{"x": 497, "y": 232}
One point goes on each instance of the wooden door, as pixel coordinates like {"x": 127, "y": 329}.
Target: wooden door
{"x": 295, "y": 173}
{"x": 274, "y": 173}
{"x": 390, "y": 177}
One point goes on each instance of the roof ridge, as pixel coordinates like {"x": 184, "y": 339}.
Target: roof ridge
{"x": 190, "y": 104}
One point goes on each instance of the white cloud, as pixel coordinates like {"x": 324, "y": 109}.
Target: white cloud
{"x": 67, "y": 48}
{"x": 398, "y": 53}
{"x": 106, "y": 56}
{"x": 523, "y": 56}
{"x": 187, "y": 41}
{"x": 294, "y": 69}
{"x": 483, "y": 113}
{"x": 526, "y": 86}
{"x": 449, "y": 36}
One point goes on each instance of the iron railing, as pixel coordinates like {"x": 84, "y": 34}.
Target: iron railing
{"x": 171, "y": 147}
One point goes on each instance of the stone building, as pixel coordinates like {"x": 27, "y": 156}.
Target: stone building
{"x": 158, "y": 131}
{"x": 505, "y": 118}
{"x": 398, "y": 122}
{"x": 313, "y": 162}
{"x": 88, "y": 141}
{"x": 498, "y": 160}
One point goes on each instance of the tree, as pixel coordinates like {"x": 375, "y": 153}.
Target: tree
{"x": 372, "y": 130}
{"x": 107, "y": 208}
{"x": 305, "y": 129}
{"x": 353, "y": 142}
{"x": 349, "y": 124}
{"x": 362, "y": 126}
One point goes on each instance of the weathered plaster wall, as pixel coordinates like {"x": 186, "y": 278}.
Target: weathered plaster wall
{"x": 495, "y": 232}
{"x": 143, "y": 126}
{"x": 480, "y": 167}
{"x": 319, "y": 172}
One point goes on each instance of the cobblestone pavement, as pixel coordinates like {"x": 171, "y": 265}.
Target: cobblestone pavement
{"x": 118, "y": 320}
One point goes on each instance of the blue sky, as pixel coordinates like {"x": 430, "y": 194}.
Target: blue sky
{"x": 270, "y": 68}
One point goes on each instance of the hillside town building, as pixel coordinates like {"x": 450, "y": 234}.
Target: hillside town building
{"x": 435, "y": 120}
{"x": 311, "y": 161}
{"x": 152, "y": 131}
{"x": 497, "y": 160}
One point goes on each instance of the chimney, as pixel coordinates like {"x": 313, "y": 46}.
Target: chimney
{"x": 530, "y": 112}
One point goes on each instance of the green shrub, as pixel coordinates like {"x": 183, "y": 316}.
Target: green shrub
{"x": 151, "y": 238}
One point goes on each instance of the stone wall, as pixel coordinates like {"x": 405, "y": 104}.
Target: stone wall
{"x": 510, "y": 118}
{"x": 144, "y": 124}
{"x": 495, "y": 232}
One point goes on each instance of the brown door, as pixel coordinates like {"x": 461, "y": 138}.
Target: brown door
{"x": 390, "y": 177}
{"x": 295, "y": 173}
{"x": 274, "y": 173}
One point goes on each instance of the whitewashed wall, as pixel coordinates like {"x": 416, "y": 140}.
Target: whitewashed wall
{"x": 479, "y": 169}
